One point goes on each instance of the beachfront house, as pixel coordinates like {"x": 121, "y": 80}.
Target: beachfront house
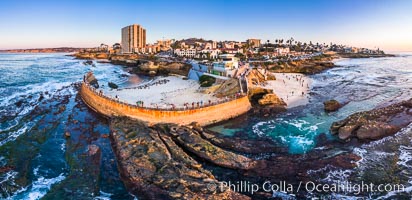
{"x": 208, "y": 53}
{"x": 188, "y": 53}
{"x": 226, "y": 66}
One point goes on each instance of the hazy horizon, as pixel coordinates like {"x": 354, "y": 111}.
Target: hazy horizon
{"x": 52, "y": 24}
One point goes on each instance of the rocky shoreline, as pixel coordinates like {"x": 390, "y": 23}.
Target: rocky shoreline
{"x": 374, "y": 124}
{"x": 363, "y": 55}
{"x": 139, "y": 64}
{"x": 317, "y": 64}
{"x": 166, "y": 161}
{"x": 309, "y": 66}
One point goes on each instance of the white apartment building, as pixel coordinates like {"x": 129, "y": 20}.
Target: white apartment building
{"x": 227, "y": 65}
{"x": 133, "y": 38}
{"x": 281, "y": 51}
{"x": 213, "y": 53}
{"x": 188, "y": 53}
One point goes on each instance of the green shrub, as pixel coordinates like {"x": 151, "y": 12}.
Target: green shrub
{"x": 206, "y": 81}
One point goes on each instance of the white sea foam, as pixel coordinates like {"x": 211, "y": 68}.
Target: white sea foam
{"x": 405, "y": 156}
{"x": 63, "y": 146}
{"x": 8, "y": 176}
{"x": 301, "y": 142}
{"x": 392, "y": 194}
{"x": 38, "y": 188}
{"x": 338, "y": 176}
{"x": 33, "y": 89}
{"x": 13, "y": 135}
{"x": 103, "y": 196}
{"x": 256, "y": 128}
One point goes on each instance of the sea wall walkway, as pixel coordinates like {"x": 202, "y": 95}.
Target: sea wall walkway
{"x": 205, "y": 115}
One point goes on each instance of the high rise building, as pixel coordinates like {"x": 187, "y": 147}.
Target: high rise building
{"x": 133, "y": 38}
{"x": 253, "y": 42}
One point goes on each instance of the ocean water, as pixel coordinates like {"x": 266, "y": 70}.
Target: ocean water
{"x": 37, "y": 161}
{"x": 361, "y": 84}
{"x": 41, "y": 162}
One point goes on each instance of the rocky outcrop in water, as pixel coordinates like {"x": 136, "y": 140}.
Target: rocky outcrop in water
{"x": 271, "y": 99}
{"x": 167, "y": 161}
{"x": 265, "y": 102}
{"x": 91, "y": 79}
{"x": 332, "y": 105}
{"x": 91, "y": 55}
{"x": 374, "y": 124}
{"x": 155, "y": 167}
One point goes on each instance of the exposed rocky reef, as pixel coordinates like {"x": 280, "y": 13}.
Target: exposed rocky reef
{"x": 310, "y": 66}
{"x": 155, "y": 167}
{"x": 167, "y": 161}
{"x": 139, "y": 64}
{"x": 363, "y": 55}
{"x": 374, "y": 124}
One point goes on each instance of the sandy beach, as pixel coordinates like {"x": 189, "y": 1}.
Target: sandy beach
{"x": 162, "y": 92}
{"x": 293, "y": 88}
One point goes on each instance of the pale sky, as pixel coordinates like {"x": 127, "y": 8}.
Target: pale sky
{"x": 386, "y": 24}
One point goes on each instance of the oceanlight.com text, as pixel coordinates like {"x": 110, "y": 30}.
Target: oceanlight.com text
{"x": 311, "y": 187}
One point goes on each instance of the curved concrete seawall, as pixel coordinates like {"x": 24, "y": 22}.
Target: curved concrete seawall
{"x": 204, "y": 115}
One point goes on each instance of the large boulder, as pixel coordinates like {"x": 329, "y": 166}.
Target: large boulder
{"x": 332, "y": 105}
{"x": 91, "y": 79}
{"x": 271, "y": 99}
{"x": 376, "y": 130}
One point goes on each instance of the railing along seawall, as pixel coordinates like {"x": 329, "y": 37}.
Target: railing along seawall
{"x": 204, "y": 115}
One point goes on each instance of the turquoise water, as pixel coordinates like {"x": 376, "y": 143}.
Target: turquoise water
{"x": 361, "y": 84}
